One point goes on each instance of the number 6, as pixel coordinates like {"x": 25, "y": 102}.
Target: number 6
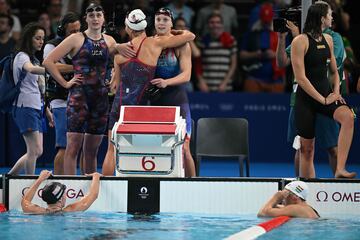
{"x": 145, "y": 162}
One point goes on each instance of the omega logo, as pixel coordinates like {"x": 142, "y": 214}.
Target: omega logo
{"x": 70, "y": 193}
{"x": 323, "y": 196}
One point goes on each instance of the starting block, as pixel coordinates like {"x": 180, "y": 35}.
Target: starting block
{"x": 149, "y": 141}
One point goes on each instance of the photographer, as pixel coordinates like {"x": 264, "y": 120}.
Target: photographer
{"x": 56, "y": 95}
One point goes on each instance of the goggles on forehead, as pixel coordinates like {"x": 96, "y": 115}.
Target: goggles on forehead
{"x": 96, "y": 9}
{"x": 166, "y": 12}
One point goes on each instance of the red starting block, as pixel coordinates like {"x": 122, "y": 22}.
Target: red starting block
{"x": 148, "y": 141}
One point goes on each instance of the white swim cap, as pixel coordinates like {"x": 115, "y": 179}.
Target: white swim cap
{"x": 299, "y": 188}
{"x": 136, "y": 20}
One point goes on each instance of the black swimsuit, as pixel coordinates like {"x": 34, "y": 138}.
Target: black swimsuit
{"x": 315, "y": 211}
{"x": 306, "y": 107}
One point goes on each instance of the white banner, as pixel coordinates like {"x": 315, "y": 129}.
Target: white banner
{"x": 112, "y": 195}
{"x": 332, "y": 198}
{"x": 211, "y": 197}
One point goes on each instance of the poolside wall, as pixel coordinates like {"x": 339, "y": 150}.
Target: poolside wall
{"x": 198, "y": 195}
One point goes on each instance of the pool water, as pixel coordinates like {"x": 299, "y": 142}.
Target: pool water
{"x": 339, "y": 228}
{"x": 98, "y": 225}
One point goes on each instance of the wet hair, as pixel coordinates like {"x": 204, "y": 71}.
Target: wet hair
{"x": 25, "y": 42}
{"x": 10, "y": 19}
{"x": 313, "y": 19}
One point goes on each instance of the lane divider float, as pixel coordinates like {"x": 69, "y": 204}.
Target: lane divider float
{"x": 260, "y": 229}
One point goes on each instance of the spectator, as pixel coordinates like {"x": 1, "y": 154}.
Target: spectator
{"x": 7, "y": 43}
{"x": 16, "y": 28}
{"x": 228, "y": 15}
{"x": 54, "y": 8}
{"x": 219, "y": 60}
{"x": 180, "y": 9}
{"x": 258, "y": 55}
{"x": 254, "y": 13}
{"x": 180, "y": 24}
{"x": 44, "y": 21}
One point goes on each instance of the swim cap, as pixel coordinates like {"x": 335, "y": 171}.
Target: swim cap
{"x": 299, "y": 188}
{"x": 136, "y": 20}
{"x": 53, "y": 192}
{"x": 165, "y": 11}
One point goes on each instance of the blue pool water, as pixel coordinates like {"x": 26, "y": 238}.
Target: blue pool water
{"x": 97, "y": 225}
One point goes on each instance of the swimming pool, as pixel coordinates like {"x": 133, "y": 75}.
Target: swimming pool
{"x": 100, "y": 225}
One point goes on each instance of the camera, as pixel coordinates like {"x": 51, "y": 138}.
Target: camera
{"x": 290, "y": 14}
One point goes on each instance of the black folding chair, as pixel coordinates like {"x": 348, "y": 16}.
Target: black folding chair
{"x": 225, "y": 138}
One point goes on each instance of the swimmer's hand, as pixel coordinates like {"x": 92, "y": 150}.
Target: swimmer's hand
{"x": 285, "y": 193}
{"x": 341, "y": 100}
{"x": 159, "y": 82}
{"x": 95, "y": 175}
{"x": 76, "y": 80}
{"x": 333, "y": 97}
{"x": 45, "y": 174}
{"x": 113, "y": 86}
{"x": 126, "y": 50}
{"x": 177, "y": 32}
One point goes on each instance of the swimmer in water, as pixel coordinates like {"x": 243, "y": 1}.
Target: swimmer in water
{"x": 54, "y": 195}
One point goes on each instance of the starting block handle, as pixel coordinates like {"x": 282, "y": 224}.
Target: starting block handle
{"x": 113, "y": 134}
{"x": 173, "y": 147}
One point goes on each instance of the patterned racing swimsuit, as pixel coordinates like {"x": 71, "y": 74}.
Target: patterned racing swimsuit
{"x": 87, "y": 107}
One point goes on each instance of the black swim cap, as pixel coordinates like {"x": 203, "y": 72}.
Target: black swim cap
{"x": 53, "y": 192}
{"x": 165, "y": 11}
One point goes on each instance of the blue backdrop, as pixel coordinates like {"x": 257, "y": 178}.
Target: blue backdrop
{"x": 268, "y": 120}
{"x": 267, "y": 115}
